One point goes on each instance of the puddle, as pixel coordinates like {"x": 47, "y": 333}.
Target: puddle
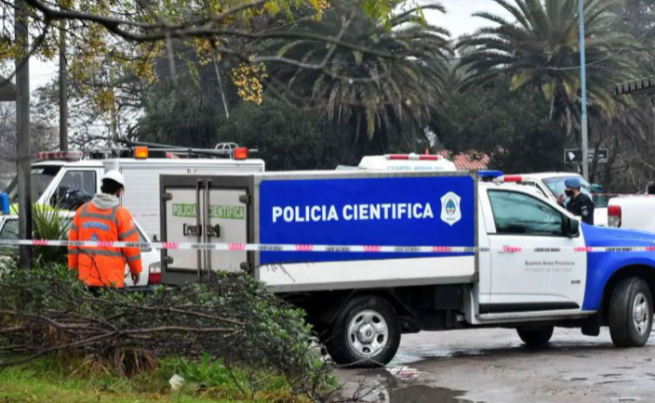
{"x": 425, "y": 394}
{"x": 379, "y": 393}
{"x": 396, "y": 385}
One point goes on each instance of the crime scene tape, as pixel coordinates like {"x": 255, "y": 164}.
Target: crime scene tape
{"x": 236, "y": 247}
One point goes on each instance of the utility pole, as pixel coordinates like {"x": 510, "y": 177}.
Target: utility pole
{"x": 583, "y": 80}
{"x": 23, "y": 131}
{"x": 63, "y": 89}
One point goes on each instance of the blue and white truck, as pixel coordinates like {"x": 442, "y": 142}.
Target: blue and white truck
{"x": 371, "y": 255}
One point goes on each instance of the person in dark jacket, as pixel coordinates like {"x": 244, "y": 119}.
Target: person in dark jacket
{"x": 579, "y": 203}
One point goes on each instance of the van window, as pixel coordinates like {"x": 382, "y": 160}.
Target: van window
{"x": 41, "y": 177}
{"x": 75, "y": 180}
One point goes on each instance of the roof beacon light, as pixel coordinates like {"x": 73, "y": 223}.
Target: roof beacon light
{"x": 141, "y": 152}
{"x": 489, "y": 175}
{"x": 412, "y": 157}
{"x": 60, "y": 155}
{"x": 513, "y": 178}
{"x": 240, "y": 153}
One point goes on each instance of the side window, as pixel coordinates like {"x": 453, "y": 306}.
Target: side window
{"x": 75, "y": 180}
{"x": 521, "y": 214}
{"x": 9, "y": 230}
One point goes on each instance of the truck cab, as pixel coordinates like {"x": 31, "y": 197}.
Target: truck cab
{"x": 56, "y": 173}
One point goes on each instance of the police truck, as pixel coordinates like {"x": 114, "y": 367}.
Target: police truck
{"x": 374, "y": 254}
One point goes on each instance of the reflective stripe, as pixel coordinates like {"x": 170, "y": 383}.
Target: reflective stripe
{"x": 114, "y": 211}
{"x": 127, "y": 234}
{"x": 74, "y": 227}
{"x": 133, "y": 258}
{"x": 73, "y": 252}
{"x": 110, "y": 217}
{"x": 98, "y": 216}
{"x": 98, "y": 252}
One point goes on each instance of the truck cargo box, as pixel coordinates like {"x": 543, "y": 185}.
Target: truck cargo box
{"x": 334, "y": 208}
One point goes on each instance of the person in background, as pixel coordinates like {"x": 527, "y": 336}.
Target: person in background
{"x": 103, "y": 219}
{"x": 579, "y": 203}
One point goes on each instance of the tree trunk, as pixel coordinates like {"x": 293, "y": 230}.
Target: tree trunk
{"x": 63, "y": 88}
{"x": 23, "y": 132}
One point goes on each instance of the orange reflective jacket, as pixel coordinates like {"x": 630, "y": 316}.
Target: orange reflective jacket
{"x": 103, "y": 266}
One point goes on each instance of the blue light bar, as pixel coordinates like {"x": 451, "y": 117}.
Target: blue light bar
{"x": 4, "y": 203}
{"x": 489, "y": 174}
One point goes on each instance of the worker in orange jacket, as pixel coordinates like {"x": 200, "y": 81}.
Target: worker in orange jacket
{"x": 103, "y": 219}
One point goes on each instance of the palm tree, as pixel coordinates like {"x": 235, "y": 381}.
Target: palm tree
{"x": 539, "y": 46}
{"x": 394, "y": 78}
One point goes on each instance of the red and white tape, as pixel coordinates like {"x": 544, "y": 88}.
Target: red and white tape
{"x": 318, "y": 248}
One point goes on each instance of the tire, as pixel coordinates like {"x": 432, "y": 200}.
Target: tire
{"x": 631, "y": 313}
{"x": 536, "y": 336}
{"x": 365, "y": 334}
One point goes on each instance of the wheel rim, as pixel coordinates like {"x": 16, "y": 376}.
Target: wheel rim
{"x": 640, "y": 313}
{"x": 368, "y": 333}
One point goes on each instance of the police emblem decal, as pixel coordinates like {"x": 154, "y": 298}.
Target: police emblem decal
{"x": 450, "y": 208}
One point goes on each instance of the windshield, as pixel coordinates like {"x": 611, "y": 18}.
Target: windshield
{"x": 556, "y": 186}
{"x": 41, "y": 178}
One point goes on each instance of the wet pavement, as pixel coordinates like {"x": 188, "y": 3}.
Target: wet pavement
{"x": 492, "y": 366}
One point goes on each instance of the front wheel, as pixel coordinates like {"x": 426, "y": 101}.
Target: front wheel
{"x": 631, "y": 313}
{"x": 365, "y": 334}
{"x": 535, "y": 336}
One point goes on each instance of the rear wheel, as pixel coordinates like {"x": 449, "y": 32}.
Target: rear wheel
{"x": 365, "y": 334}
{"x": 535, "y": 336}
{"x": 631, "y": 313}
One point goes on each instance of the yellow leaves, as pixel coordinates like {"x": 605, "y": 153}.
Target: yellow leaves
{"x": 319, "y": 6}
{"x": 519, "y": 80}
{"x": 272, "y": 7}
{"x": 206, "y": 51}
{"x": 105, "y": 100}
{"x": 247, "y": 78}
{"x": 10, "y": 50}
{"x": 65, "y": 3}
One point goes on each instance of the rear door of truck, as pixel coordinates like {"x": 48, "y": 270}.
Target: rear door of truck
{"x": 223, "y": 217}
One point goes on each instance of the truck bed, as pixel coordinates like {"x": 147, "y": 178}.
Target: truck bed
{"x": 338, "y": 208}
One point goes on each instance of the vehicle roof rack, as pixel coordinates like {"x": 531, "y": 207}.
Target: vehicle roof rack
{"x": 145, "y": 150}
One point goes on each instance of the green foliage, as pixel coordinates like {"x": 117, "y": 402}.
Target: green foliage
{"x": 539, "y": 46}
{"x": 230, "y": 317}
{"x": 206, "y": 371}
{"x": 42, "y": 380}
{"x": 50, "y": 224}
{"x": 399, "y": 79}
{"x": 288, "y": 139}
{"x": 512, "y": 127}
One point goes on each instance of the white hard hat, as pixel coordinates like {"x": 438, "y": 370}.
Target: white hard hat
{"x": 116, "y": 176}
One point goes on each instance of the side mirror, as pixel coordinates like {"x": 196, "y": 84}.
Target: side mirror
{"x": 571, "y": 227}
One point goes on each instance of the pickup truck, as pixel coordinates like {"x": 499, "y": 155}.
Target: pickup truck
{"x": 371, "y": 255}
{"x": 551, "y": 185}
{"x": 633, "y": 211}
{"x": 150, "y": 258}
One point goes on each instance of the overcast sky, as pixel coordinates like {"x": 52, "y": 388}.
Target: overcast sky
{"x": 458, "y": 21}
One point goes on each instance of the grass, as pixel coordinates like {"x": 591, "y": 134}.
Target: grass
{"x": 45, "y": 381}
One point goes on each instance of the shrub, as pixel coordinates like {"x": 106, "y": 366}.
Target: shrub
{"x": 231, "y": 317}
